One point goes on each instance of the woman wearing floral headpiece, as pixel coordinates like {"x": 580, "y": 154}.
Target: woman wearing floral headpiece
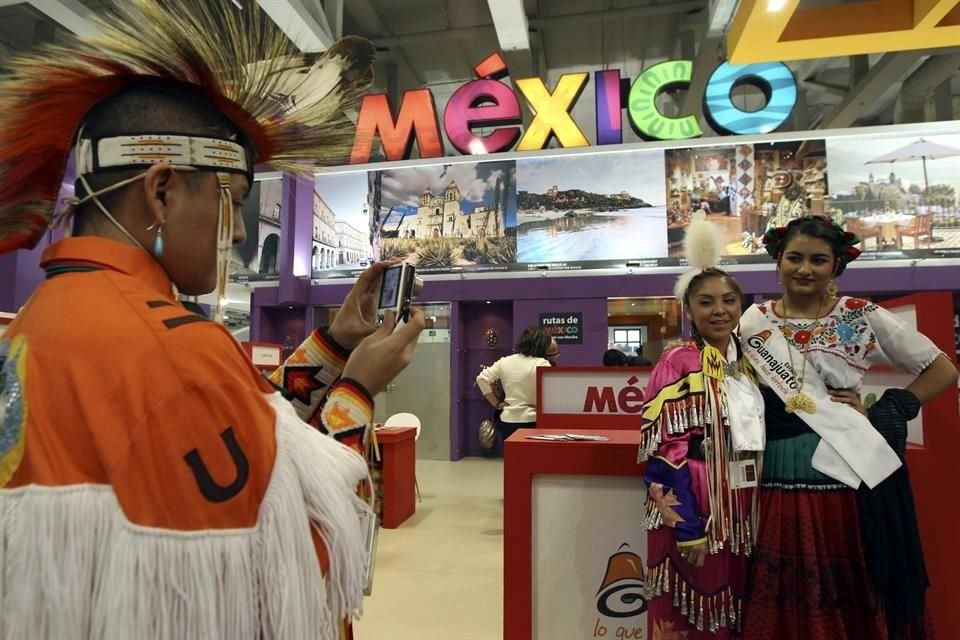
{"x": 838, "y": 552}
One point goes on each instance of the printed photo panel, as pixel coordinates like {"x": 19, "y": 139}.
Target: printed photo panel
{"x": 589, "y": 208}
{"x": 898, "y": 193}
{"x": 258, "y": 257}
{"x": 447, "y": 217}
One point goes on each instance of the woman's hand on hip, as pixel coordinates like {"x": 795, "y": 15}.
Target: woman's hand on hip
{"x": 695, "y": 555}
{"x": 848, "y": 397}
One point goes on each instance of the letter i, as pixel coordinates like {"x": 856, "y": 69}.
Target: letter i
{"x": 609, "y": 103}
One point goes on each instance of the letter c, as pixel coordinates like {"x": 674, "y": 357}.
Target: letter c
{"x": 646, "y": 118}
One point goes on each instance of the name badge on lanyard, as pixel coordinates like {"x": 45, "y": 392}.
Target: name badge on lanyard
{"x": 743, "y": 474}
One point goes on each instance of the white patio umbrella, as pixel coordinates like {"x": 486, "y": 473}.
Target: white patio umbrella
{"x": 922, "y": 150}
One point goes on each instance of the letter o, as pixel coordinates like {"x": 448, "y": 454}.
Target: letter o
{"x": 774, "y": 79}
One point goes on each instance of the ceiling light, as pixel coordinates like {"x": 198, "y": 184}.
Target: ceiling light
{"x": 721, "y": 13}
{"x": 510, "y": 21}
{"x": 489, "y": 302}
{"x": 476, "y": 147}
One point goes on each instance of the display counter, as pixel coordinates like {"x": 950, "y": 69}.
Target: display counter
{"x": 398, "y": 455}
{"x": 574, "y": 543}
{"x": 265, "y": 357}
{"x": 590, "y": 397}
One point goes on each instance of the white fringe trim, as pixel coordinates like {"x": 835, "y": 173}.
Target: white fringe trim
{"x": 72, "y": 566}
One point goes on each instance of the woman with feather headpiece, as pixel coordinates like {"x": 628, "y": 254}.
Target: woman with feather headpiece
{"x": 152, "y": 483}
{"x": 702, "y": 438}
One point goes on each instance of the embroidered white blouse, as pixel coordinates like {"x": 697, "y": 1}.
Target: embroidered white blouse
{"x": 855, "y": 335}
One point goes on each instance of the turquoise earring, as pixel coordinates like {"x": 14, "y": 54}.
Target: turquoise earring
{"x": 158, "y": 241}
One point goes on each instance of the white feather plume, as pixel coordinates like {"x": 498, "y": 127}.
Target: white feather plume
{"x": 702, "y": 247}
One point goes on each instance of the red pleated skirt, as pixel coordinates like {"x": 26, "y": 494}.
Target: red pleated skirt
{"x": 809, "y": 580}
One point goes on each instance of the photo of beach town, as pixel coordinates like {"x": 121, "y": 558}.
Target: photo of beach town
{"x": 582, "y": 208}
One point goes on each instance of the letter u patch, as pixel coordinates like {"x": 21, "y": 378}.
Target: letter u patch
{"x": 210, "y": 488}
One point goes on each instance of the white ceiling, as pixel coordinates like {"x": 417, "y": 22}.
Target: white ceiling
{"x": 436, "y": 43}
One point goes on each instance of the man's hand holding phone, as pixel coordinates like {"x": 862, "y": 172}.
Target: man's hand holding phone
{"x": 357, "y": 318}
{"x": 399, "y": 286}
{"x": 386, "y": 352}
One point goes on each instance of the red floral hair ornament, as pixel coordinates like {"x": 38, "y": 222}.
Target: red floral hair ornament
{"x": 773, "y": 238}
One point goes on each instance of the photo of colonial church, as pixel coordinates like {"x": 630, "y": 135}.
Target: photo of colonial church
{"x": 441, "y": 216}
{"x": 446, "y": 216}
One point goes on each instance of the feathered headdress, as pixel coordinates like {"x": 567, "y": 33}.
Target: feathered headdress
{"x": 702, "y": 246}
{"x": 289, "y": 105}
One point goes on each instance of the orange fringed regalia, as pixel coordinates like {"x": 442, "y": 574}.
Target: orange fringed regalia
{"x": 152, "y": 483}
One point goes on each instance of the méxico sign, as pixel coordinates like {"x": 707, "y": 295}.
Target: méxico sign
{"x": 489, "y": 102}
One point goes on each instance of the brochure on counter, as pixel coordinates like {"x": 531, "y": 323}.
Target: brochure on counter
{"x": 567, "y": 437}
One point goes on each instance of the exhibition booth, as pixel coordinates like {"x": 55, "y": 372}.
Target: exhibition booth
{"x": 574, "y": 535}
{"x": 586, "y": 243}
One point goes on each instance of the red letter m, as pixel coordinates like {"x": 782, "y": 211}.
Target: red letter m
{"x": 600, "y": 402}
{"x": 418, "y": 117}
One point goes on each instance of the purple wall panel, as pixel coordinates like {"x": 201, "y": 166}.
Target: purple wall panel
{"x": 868, "y": 281}
{"x": 527, "y": 313}
{"x": 8, "y": 282}
{"x": 20, "y": 274}
{"x": 29, "y": 273}
{"x": 469, "y": 408}
{"x": 295, "y": 238}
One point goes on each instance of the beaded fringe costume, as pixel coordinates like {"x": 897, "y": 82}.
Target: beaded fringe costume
{"x": 686, "y": 441}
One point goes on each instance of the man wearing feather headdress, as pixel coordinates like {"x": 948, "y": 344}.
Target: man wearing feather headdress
{"x": 152, "y": 483}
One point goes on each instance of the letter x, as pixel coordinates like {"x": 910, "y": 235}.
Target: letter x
{"x": 552, "y": 112}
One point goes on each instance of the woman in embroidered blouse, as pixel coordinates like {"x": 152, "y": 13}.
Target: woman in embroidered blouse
{"x": 838, "y": 553}
{"x": 702, "y": 438}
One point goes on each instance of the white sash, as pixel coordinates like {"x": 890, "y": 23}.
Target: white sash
{"x": 745, "y": 409}
{"x": 850, "y": 450}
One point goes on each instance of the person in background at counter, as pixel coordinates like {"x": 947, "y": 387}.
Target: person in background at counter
{"x": 702, "y": 439}
{"x": 615, "y": 358}
{"x": 517, "y": 374}
{"x": 639, "y": 360}
{"x": 838, "y": 553}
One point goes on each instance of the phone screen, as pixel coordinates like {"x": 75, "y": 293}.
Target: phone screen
{"x": 390, "y": 290}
